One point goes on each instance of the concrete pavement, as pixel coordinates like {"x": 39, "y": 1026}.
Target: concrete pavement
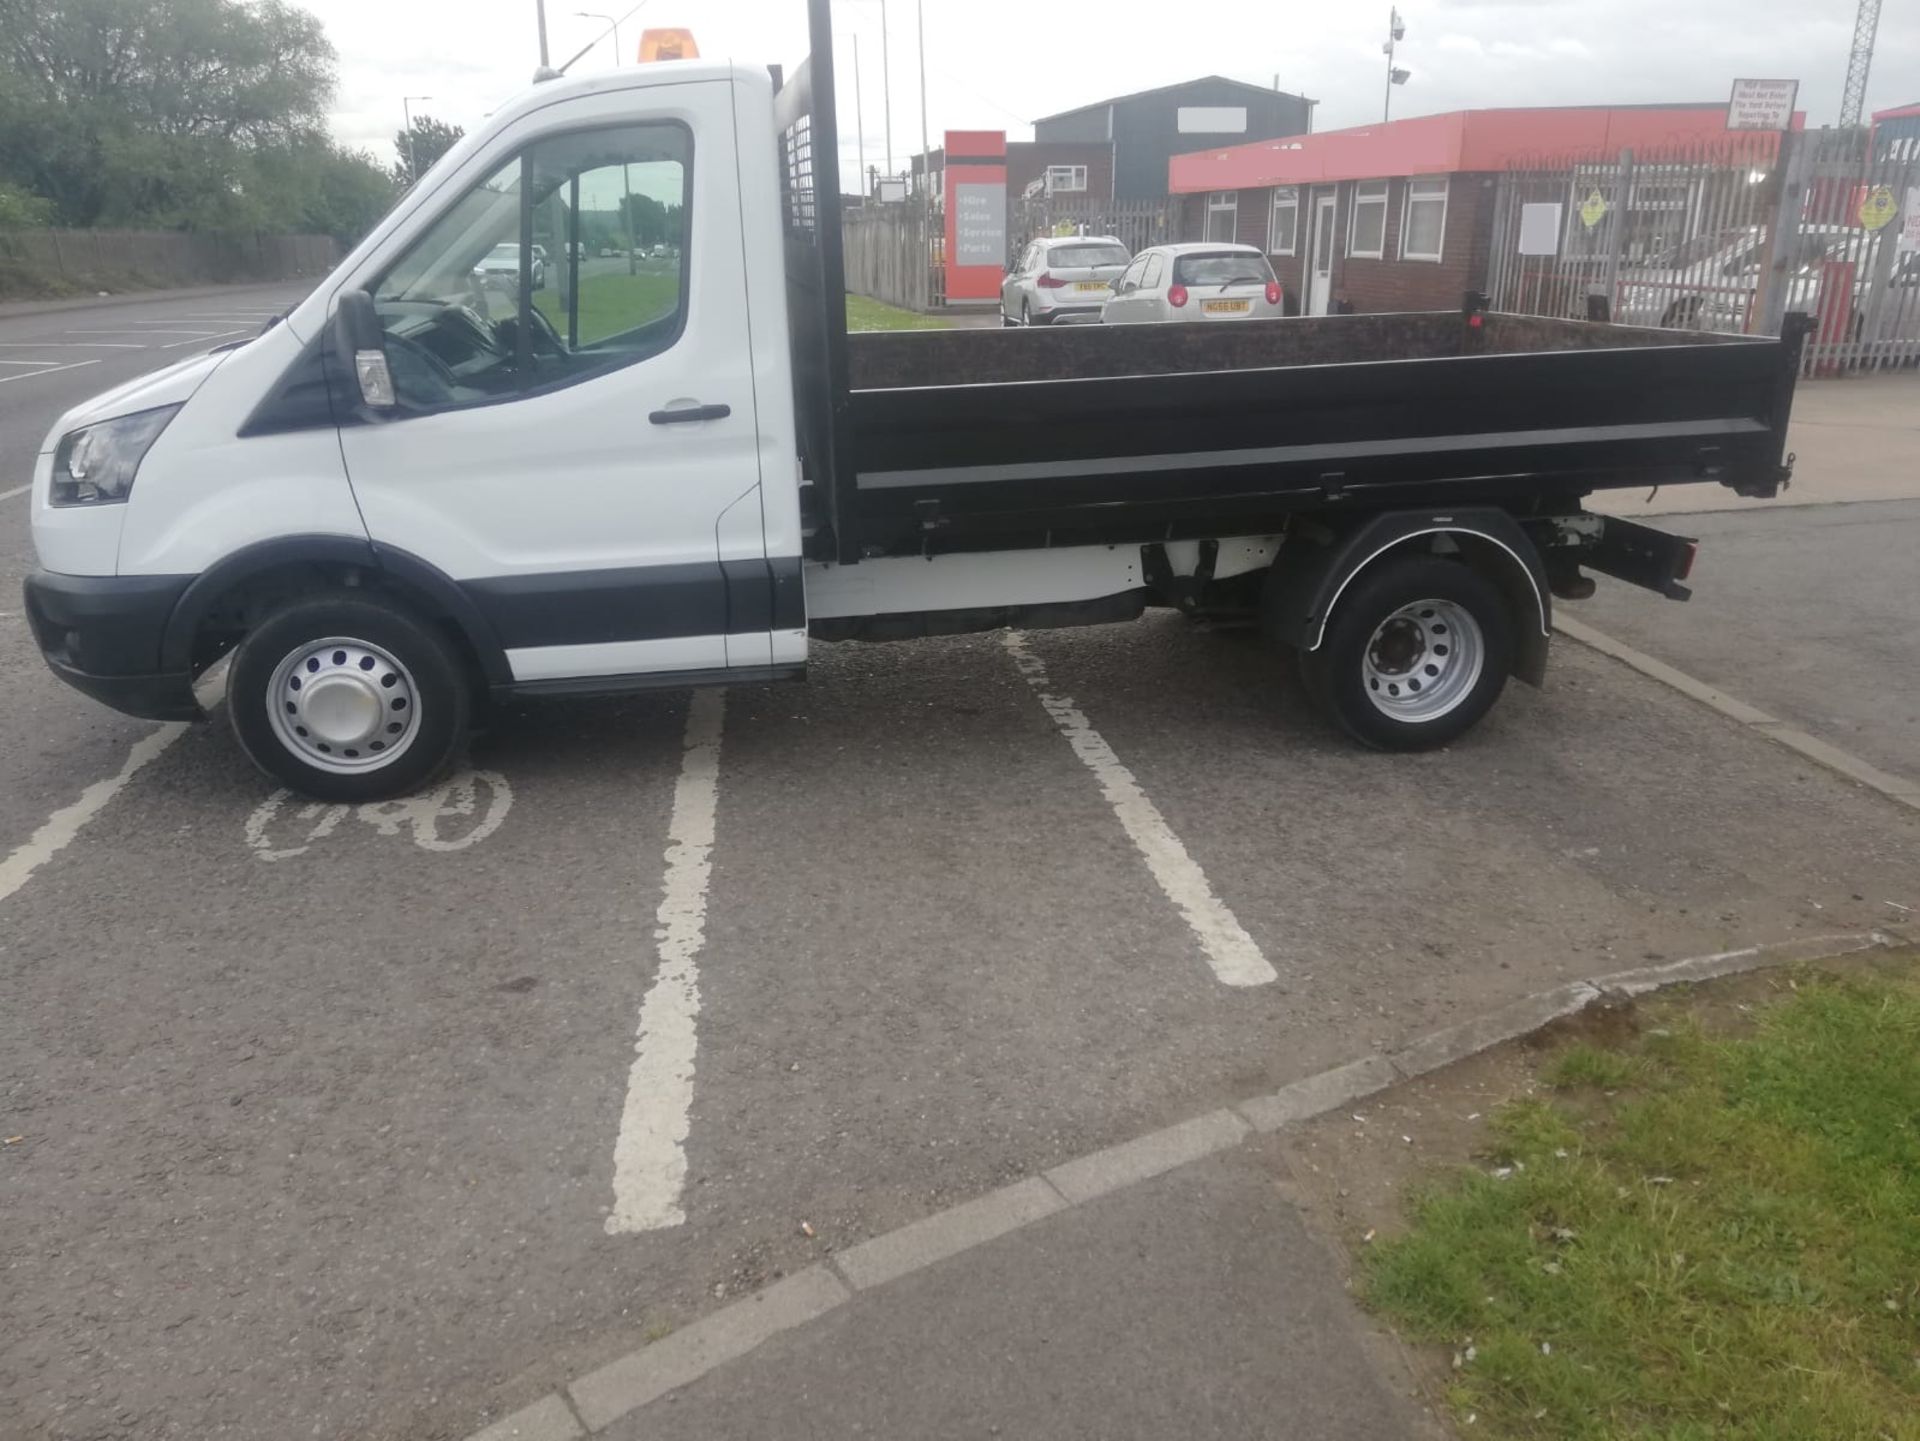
{"x": 1809, "y": 612}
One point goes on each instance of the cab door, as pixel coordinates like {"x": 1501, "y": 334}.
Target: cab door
{"x": 577, "y": 448}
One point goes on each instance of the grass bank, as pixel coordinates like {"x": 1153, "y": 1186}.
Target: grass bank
{"x": 1708, "y": 1229}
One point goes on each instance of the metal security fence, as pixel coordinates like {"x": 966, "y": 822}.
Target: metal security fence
{"x": 1136, "y": 224}
{"x": 1726, "y": 235}
{"x": 168, "y": 257}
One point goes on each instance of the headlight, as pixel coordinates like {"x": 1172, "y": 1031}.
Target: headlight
{"x": 96, "y": 465}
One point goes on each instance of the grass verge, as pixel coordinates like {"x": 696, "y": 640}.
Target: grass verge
{"x": 866, "y": 314}
{"x": 1690, "y": 1235}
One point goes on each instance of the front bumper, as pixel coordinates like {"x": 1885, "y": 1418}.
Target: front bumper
{"x": 101, "y": 634}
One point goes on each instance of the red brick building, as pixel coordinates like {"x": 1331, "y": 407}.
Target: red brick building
{"x": 1398, "y": 216}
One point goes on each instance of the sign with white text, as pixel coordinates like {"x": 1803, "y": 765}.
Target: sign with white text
{"x": 1762, "y": 104}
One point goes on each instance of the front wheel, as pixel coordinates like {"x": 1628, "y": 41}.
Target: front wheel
{"x": 347, "y": 698}
{"x": 1416, "y": 652}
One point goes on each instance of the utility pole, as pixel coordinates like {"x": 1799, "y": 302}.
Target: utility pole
{"x": 1396, "y": 32}
{"x": 926, "y": 155}
{"x": 413, "y": 166}
{"x": 886, "y": 84}
{"x": 859, "y": 124}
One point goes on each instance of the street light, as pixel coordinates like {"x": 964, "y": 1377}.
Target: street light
{"x": 596, "y": 15}
{"x": 626, "y": 175}
{"x": 406, "y": 111}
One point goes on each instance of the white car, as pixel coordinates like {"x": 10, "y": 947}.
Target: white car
{"x": 1199, "y": 280}
{"x": 1061, "y": 278}
{"x": 501, "y": 266}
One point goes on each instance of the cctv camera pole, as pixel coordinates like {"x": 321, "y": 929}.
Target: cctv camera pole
{"x": 926, "y": 155}
{"x": 886, "y": 85}
{"x": 1396, "y": 32}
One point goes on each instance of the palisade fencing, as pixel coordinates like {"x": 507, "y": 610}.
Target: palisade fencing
{"x": 169, "y": 257}
{"x": 1135, "y": 224}
{"x": 1726, "y": 234}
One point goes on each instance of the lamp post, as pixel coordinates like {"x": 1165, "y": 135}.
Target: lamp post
{"x": 626, "y": 175}
{"x": 406, "y": 111}
{"x": 1396, "y": 32}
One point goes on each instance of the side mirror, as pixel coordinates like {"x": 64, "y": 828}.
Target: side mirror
{"x": 362, "y": 345}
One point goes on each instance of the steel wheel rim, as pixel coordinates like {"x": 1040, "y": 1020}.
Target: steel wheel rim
{"x": 344, "y": 706}
{"x": 1423, "y": 661}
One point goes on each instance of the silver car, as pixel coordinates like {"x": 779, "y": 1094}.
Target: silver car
{"x": 1196, "y": 281}
{"x": 1061, "y": 279}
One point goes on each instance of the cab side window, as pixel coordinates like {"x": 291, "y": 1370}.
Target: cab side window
{"x": 1130, "y": 278}
{"x": 568, "y": 261}
{"x": 1156, "y": 267}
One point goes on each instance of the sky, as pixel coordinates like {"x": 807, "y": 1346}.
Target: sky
{"x": 997, "y": 64}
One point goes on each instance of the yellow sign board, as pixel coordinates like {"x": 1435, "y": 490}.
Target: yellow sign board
{"x": 1878, "y": 207}
{"x": 1593, "y": 209}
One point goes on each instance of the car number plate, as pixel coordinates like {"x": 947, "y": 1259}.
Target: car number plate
{"x": 1226, "y": 307}
{"x": 1090, "y": 285}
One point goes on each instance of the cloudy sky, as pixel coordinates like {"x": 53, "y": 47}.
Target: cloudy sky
{"x": 996, "y": 64}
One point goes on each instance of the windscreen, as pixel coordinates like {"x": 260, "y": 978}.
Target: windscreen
{"x": 1224, "y": 268}
{"x": 1078, "y": 257}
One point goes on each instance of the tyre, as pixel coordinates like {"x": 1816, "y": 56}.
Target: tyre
{"x": 345, "y": 697}
{"x": 1416, "y": 652}
{"x": 1683, "y": 314}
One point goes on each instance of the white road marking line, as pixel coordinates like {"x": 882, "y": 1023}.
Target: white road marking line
{"x": 64, "y": 824}
{"x": 217, "y": 335}
{"x": 142, "y": 330}
{"x": 1235, "y": 959}
{"x": 650, "y": 1154}
{"x": 69, "y": 365}
{"x": 17, "y": 490}
{"x": 69, "y": 345}
{"x": 41, "y": 363}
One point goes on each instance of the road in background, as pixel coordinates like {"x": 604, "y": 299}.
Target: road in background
{"x": 53, "y": 741}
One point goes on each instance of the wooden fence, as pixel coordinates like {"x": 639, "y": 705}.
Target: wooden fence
{"x": 890, "y": 256}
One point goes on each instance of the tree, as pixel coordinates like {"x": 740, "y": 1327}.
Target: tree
{"x": 430, "y": 139}
{"x": 152, "y": 111}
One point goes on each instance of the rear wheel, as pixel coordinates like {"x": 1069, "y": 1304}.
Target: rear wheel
{"x": 347, "y": 698}
{"x": 1416, "y": 652}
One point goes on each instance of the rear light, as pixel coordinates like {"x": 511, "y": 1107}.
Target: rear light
{"x": 1176, "y": 296}
{"x": 1273, "y": 292}
{"x": 1685, "y": 568}
{"x": 1048, "y": 281}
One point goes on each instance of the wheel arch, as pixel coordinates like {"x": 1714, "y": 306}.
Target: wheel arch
{"x": 1307, "y": 580}
{"x": 222, "y": 600}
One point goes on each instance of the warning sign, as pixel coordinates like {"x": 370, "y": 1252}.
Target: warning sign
{"x": 1762, "y": 104}
{"x": 1878, "y": 207}
{"x": 1593, "y": 209}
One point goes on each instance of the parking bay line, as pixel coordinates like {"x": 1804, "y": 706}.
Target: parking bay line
{"x": 49, "y": 370}
{"x": 70, "y": 345}
{"x": 217, "y": 335}
{"x": 59, "y": 829}
{"x": 1232, "y": 953}
{"x": 17, "y": 490}
{"x": 650, "y": 1152}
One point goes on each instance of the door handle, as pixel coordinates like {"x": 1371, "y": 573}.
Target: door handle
{"x": 689, "y": 413}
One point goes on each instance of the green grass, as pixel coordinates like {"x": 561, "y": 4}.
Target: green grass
{"x": 865, "y": 314}
{"x": 1727, "y": 1246}
{"x": 613, "y": 304}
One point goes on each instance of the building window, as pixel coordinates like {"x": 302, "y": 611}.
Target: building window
{"x": 1283, "y": 228}
{"x": 1223, "y": 215}
{"x": 1066, "y": 177}
{"x": 1423, "y": 222}
{"x": 1367, "y": 221}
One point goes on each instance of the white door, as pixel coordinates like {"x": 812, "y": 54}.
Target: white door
{"x": 580, "y": 455}
{"x": 1320, "y": 274}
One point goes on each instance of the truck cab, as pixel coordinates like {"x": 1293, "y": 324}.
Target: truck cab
{"x": 580, "y": 478}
